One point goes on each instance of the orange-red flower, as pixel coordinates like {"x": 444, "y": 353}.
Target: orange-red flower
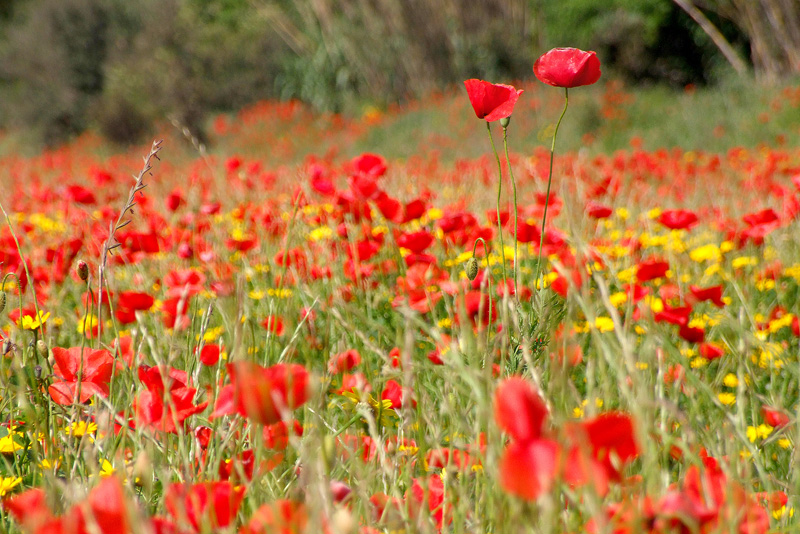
{"x": 567, "y": 67}
{"x": 90, "y": 374}
{"x": 491, "y": 101}
{"x": 263, "y": 394}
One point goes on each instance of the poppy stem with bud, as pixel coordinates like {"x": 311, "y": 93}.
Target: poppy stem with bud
{"x": 472, "y": 267}
{"x": 547, "y": 194}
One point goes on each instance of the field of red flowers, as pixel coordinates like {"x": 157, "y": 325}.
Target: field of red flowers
{"x": 286, "y": 339}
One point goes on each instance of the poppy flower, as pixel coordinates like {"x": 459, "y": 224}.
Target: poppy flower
{"x": 611, "y": 432}
{"x": 282, "y": 516}
{"x": 393, "y": 392}
{"x": 209, "y": 354}
{"x": 152, "y": 410}
{"x": 491, "y": 101}
{"x": 774, "y": 417}
{"x": 344, "y": 361}
{"x": 712, "y": 294}
{"x": 369, "y": 164}
{"x": 567, "y": 67}
{"x": 651, "y": 269}
{"x": 429, "y": 493}
{"x": 262, "y": 394}
{"x": 711, "y": 351}
{"x": 519, "y": 409}
{"x": 207, "y": 504}
{"x": 276, "y": 436}
{"x": 678, "y": 219}
{"x": 529, "y": 468}
{"x": 89, "y": 373}
{"x": 595, "y": 210}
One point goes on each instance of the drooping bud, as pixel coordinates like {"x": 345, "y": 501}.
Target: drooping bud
{"x": 83, "y": 270}
{"x": 41, "y": 348}
{"x": 472, "y": 268}
{"x": 2, "y": 301}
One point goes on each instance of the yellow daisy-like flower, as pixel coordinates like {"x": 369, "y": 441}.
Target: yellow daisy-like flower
{"x": 727, "y": 399}
{"x": 8, "y": 445}
{"x": 29, "y": 323}
{"x": 7, "y": 484}
{"x": 382, "y": 408}
{"x": 106, "y": 469}
{"x": 604, "y": 324}
{"x": 80, "y": 428}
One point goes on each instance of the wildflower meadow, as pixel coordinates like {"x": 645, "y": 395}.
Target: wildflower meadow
{"x": 290, "y": 332}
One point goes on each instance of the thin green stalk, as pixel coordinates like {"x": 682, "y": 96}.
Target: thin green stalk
{"x": 489, "y": 274}
{"x": 547, "y": 197}
{"x": 499, "y": 190}
{"x": 514, "y": 187}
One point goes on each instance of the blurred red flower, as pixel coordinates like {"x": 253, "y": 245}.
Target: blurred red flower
{"x": 567, "y": 67}
{"x": 206, "y": 505}
{"x": 263, "y": 394}
{"x": 519, "y": 409}
{"x": 491, "y": 101}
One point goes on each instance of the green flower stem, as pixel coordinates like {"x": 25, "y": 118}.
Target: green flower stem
{"x": 348, "y": 424}
{"x": 547, "y": 197}
{"x": 514, "y": 187}
{"x": 489, "y": 272}
{"x": 499, "y": 190}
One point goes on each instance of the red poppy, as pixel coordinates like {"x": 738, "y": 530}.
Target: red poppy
{"x": 519, "y": 409}
{"x": 90, "y": 373}
{"x": 711, "y": 351}
{"x": 369, "y": 164}
{"x": 281, "y": 517}
{"x": 595, "y": 210}
{"x": 679, "y": 316}
{"x": 152, "y": 410}
{"x": 276, "y": 436}
{"x": 567, "y": 67}
{"x": 344, "y": 361}
{"x": 209, "y": 354}
{"x": 263, "y": 394}
{"x": 774, "y": 417}
{"x": 491, "y": 101}
{"x": 206, "y": 505}
{"x": 528, "y": 468}
{"x": 692, "y": 334}
{"x": 273, "y": 324}
{"x": 393, "y": 392}
{"x": 429, "y": 493}
{"x": 678, "y": 219}
{"x": 612, "y": 433}
{"x": 416, "y": 242}
{"x": 651, "y": 269}
{"x": 712, "y": 294}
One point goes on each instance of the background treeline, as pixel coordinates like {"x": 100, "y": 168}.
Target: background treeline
{"x": 120, "y": 66}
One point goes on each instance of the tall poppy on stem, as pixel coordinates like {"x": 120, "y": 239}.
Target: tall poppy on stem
{"x": 563, "y": 67}
{"x": 494, "y": 101}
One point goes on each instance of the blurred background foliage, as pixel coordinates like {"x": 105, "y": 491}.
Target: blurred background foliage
{"x": 121, "y": 66}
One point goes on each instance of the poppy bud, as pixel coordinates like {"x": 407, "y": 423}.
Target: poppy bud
{"x": 41, "y": 348}
{"x": 472, "y": 268}
{"x": 2, "y": 301}
{"x": 83, "y": 270}
{"x": 37, "y": 372}
{"x": 504, "y": 122}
